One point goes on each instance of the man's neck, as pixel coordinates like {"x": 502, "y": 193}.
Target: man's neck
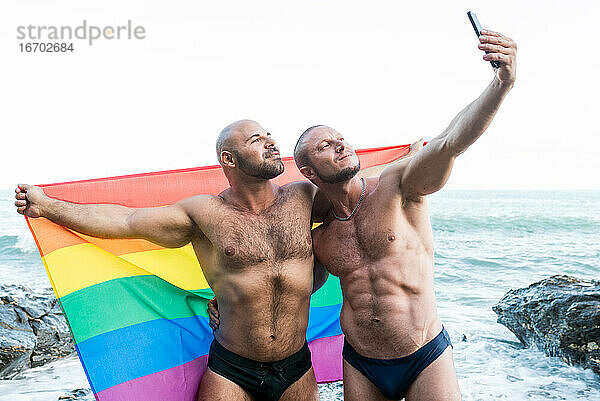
{"x": 344, "y": 196}
{"x": 253, "y": 194}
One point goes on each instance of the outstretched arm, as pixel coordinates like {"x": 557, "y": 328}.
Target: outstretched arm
{"x": 429, "y": 170}
{"x": 169, "y": 226}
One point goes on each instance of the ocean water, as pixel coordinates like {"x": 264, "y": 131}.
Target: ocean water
{"x": 487, "y": 242}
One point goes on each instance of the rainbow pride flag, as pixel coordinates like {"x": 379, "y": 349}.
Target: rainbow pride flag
{"x": 137, "y": 311}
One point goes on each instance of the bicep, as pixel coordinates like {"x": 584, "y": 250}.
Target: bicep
{"x": 428, "y": 171}
{"x": 169, "y": 226}
{"x": 318, "y": 202}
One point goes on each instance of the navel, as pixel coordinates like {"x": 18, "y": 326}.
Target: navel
{"x": 229, "y": 251}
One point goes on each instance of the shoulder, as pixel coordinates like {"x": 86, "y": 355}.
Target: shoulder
{"x": 199, "y": 200}
{"x": 394, "y": 172}
{"x": 312, "y": 197}
{"x": 393, "y": 179}
{"x": 203, "y": 210}
{"x": 200, "y": 203}
{"x": 390, "y": 185}
{"x": 301, "y": 187}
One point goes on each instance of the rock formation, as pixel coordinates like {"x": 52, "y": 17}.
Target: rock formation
{"x": 560, "y": 315}
{"x": 33, "y": 330}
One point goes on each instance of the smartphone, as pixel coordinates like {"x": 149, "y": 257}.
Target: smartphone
{"x": 477, "y": 27}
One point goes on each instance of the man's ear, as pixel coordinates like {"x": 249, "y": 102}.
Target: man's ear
{"x": 227, "y": 159}
{"x": 308, "y": 172}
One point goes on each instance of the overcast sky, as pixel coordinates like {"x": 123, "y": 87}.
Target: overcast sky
{"x": 380, "y": 72}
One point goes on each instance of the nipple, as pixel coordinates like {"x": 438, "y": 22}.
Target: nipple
{"x": 391, "y": 237}
{"x": 309, "y": 239}
{"x": 229, "y": 251}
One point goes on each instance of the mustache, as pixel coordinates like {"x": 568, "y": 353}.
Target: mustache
{"x": 346, "y": 155}
{"x": 271, "y": 152}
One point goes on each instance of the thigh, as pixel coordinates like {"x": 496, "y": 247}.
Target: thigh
{"x": 215, "y": 387}
{"x": 357, "y": 387}
{"x": 437, "y": 382}
{"x": 303, "y": 389}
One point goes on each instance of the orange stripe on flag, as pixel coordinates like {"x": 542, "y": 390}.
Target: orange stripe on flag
{"x": 52, "y": 237}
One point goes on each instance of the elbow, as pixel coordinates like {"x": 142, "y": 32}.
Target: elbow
{"x": 451, "y": 147}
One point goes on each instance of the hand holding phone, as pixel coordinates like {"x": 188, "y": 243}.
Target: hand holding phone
{"x": 477, "y": 28}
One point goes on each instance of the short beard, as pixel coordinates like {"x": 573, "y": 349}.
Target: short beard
{"x": 263, "y": 170}
{"x": 340, "y": 176}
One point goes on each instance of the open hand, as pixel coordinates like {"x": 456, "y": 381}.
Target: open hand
{"x": 29, "y": 200}
{"x": 502, "y": 49}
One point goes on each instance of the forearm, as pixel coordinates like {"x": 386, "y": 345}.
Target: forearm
{"x": 429, "y": 170}
{"x": 97, "y": 220}
{"x": 473, "y": 120}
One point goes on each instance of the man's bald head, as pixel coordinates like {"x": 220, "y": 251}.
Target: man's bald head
{"x": 300, "y": 152}
{"x": 226, "y": 139}
{"x": 245, "y": 147}
{"x": 330, "y": 162}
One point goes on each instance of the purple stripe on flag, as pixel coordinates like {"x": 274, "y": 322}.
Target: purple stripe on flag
{"x": 327, "y": 358}
{"x": 176, "y": 384}
{"x": 181, "y": 382}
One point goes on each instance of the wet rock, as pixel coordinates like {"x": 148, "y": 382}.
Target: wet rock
{"x": 560, "y": 315}
{"x": 33, "y": 330}
{"x": 81, "y": 394}
{"x": 16, "y": 339}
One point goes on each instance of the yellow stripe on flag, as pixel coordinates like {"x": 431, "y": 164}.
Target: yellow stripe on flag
{"x": 178, "y": 266}
{"x": 79, "y": 266}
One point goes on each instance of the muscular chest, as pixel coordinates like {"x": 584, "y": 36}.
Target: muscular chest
{"x": 279, "y": 234}
{"x": 370, "y": 236}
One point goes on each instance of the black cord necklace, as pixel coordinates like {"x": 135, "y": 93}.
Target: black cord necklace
{"x": 356, "y": 207}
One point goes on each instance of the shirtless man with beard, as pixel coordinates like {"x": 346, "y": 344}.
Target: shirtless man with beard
{"x": 254, "y": 244}
{"x": 378, "y": 240}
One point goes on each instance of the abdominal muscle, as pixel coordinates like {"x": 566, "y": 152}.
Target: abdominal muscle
{"x": 389, "y": 308}
{"x": 264, "y": 315}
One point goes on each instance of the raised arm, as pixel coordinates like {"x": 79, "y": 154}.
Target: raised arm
{"x": 169, "y": 226}
{"x": 429, "y": 170}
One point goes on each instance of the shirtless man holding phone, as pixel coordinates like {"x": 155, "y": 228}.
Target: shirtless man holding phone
{"x": 378, "y": 240}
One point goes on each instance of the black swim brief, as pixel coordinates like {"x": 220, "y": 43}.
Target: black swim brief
{"x": 263, "y": 380}
{"x": 393, "y": 376}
